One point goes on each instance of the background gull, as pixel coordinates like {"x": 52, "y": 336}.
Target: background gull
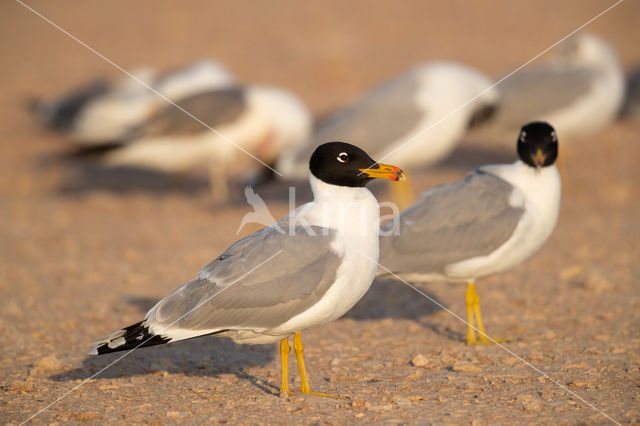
{"x": 485, "y": 224}
{"x": 580, "y": 90}
{"x": 631, "y": 107}
{"x": 403, "y": 120}
{"x": 98, "y": 113}
{"x": 262, "y": 120}
{"x": 323, "y": 253}
{"x": 62, "y": 112}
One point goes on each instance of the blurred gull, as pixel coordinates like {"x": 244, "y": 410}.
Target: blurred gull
{"x": 306, "y": 270}
{"x": 261, "y": 120}
{"x": 110, "y": 118}
{"x": 388, "y": 116}
{"x": 98, "y": 113}
{"x": 580, "y": 91}
{"x": 61, "y": 112}
{"x": 485, "y": 224}
{"x": 631, "y": 108}
{"x": 410, "y": 120}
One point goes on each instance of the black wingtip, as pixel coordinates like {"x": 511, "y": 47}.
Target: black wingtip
{"x": 132, "y": 337}
{"x": 93, "y": 151}
{"x": 482, "y": 115}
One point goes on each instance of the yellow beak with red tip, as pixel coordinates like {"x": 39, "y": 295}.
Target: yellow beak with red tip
{"x": 385, "y": 171}
{"x": 539, "y": 159}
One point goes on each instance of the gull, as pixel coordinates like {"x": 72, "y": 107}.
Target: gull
{"x": 273, "y": 284}
{"x": 415, "y": 119}
{"x": 491, "y": 221}
{"x": 235, "y": 127}
{"x": 580, "y": 91}
{"x": 99, "y": 112}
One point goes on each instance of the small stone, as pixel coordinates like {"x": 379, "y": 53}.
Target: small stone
{"x": 49, "y": 363}
{"x": 510, "y": 361}
{"x": 403, "y": 402}
{"x": 466, "y": 367}
{"x": 110, "y": 386}
{"x": 416, "y": 375}
{"x": 570, "y": 272}
{"x": 358, "y": 403}
{"x": 21, "y": 387}
{"x": 532, "y": 405}
{"x": 581, "y": 365}
{"x": 419, "y": 361}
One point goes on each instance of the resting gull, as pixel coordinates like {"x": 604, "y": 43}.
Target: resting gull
{"x": 248, "y": 121}
{"x": 414, "y": 119}
{"x": 304, "y": 271}
{"x": 101, "y": 112}
{"x": 580, "y": 91}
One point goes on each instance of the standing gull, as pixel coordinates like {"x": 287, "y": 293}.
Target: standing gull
{"x": 489, "y": 222}
{"x": 304, "y": 271}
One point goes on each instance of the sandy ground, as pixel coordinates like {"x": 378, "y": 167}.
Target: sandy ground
{"x": 85, "y": 252}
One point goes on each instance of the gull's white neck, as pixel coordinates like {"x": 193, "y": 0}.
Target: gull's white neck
{"x": 348, "y": 210}
{"x": 541, "y": 189}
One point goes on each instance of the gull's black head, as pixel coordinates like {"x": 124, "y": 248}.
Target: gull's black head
{"x": 538, "y": 144}
{"x": 343, "y": 164}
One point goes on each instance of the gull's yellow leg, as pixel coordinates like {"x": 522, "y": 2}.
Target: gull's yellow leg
{"x": 298, "y": 347}
{"x": 402, "y": 193}
{"x": 483, "y": 334}
{"x": 284, "y": 356}
{"x": 470, "y": 300}
{"x": 473, "y": 309}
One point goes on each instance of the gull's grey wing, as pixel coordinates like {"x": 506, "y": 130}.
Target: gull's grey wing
{"x": 451, "y": 223}
{"x": 215, "y": 108}
{"x": 237, "y": 292}
{"x": 374, "y": 122}
{"x": 531, "y": 95}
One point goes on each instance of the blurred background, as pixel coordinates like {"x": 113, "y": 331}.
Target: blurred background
{"x": 78, "y": 258}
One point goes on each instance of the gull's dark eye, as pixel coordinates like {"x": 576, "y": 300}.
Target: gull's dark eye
{"x": 554, "y": 137}
{"x": 343, "y": 157}
{"x": 523, "y": 136}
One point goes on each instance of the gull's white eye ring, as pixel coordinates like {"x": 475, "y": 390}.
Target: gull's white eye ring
{"x": 523, "y": 136}
{"x": 554, "y": 137}
{"x": 343, "y": 157}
